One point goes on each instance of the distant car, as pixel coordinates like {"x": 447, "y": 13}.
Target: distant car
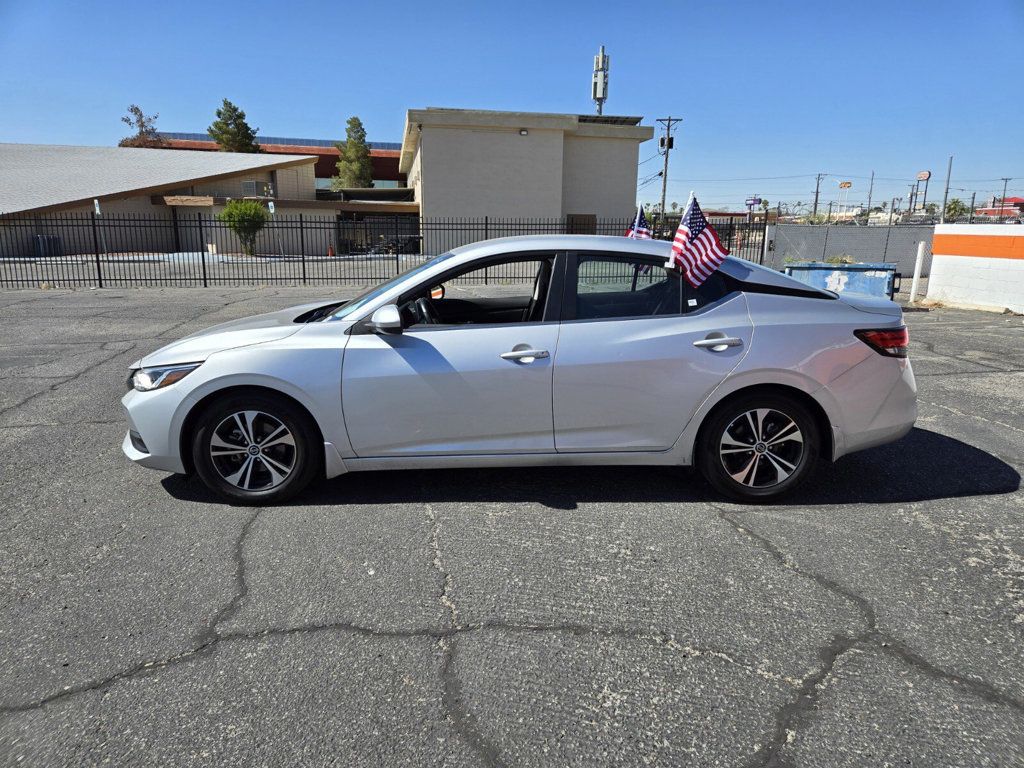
{"x": 603, "y": 357}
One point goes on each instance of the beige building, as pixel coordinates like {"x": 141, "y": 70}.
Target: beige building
{"x": 464, "y": 163}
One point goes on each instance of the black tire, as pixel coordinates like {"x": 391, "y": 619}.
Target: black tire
{"x": 775, "y": 464}
{"x": 218, "y": 431}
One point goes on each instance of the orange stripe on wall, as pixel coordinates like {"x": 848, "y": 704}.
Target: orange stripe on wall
{"x": 989, "y": 246}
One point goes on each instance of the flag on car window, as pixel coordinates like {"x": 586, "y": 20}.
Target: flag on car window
{"x": 696, "y": 250}
{"x": 639, "y": 230}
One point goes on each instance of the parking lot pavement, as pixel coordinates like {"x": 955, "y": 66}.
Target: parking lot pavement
{"x": 502, "y": 617}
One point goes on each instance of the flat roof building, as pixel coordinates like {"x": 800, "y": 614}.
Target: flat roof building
{"x": 471, "y": 162}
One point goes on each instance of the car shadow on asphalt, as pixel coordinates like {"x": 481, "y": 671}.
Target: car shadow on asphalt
{"x": 922, "y": 466}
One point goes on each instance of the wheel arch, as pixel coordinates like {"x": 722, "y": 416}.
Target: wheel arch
{"x": 189, "y": 424}
{"x": 826, "y": 448}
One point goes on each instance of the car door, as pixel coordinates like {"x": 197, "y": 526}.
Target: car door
{"x": 453, "y": 389}
{"x": 636, "y": 353}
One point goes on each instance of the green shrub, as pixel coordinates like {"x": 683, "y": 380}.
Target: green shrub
{"x": 246, "y": 218}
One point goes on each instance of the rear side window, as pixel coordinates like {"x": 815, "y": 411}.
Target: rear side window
{"x": 613, "y": 286}
{"x": 716, "y": 287}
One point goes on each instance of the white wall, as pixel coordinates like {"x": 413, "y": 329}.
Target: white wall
{"x": 976, "y": 281}
{"x": 469, "y": 173}
{"x": 979, "y": 265}
{"x": 599, "y": 176}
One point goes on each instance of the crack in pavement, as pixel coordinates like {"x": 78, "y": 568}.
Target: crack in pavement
{"x": 795, "y": 713}
{"x": 452, "y": 700}
{"x": 70, "y": 379}
{"x": 204, "y": 641}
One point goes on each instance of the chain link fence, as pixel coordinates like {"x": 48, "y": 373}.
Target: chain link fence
{"x": 789, "y": 243}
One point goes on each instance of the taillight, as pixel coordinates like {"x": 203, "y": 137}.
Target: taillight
{"x": 891, "y": 342}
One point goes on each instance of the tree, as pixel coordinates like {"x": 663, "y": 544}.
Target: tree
{"x": 354, "y": 166}
{"x": 765, "y": 205}
{"x": 246, "y": 218}
{"x": 231, "y": 132}
{"x": 675, "y": 206}
{"x": 931, "y": 209}
{"x": 145, "y": 129}
{"x": 955, "y": 209}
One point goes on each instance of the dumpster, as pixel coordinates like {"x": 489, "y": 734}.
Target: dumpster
{"x": 871, "y": 279}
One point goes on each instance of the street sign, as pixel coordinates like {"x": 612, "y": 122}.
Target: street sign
{"x": 845, "y": 184}
{"x": 924, "y": 175}
{"x": 270, "y": 205}
{"x": 752, "y": 201}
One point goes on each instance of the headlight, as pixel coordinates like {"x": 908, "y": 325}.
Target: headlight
{"x": 146, "y": 379}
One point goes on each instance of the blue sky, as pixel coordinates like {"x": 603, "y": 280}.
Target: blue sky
{"x": 780, "y": 89}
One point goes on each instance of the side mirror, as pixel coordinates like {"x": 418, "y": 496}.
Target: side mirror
{"x": 437, "y": 292}
{"x": 387, "y": 319}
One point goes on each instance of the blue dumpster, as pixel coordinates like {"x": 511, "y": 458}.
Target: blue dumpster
{"x": 876, "y": 279}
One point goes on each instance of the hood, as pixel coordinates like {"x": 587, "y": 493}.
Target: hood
{"x": 875, "y": 305}
{"x": 247, "y": 331}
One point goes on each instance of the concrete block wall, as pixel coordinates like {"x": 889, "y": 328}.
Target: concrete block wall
{"x": 978, "y": 265}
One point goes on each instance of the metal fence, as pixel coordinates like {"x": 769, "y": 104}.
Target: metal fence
{"x": 807, "y": 242}
{"x": 185, "y": 249}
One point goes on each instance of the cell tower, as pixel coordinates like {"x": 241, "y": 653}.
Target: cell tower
{"x": 599, "y": 86}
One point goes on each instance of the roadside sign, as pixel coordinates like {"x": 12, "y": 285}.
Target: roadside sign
{"x": 924, "y": 175}
{"x": 753, "y": 201}
{"x": 96, "y": 205}
{"x": 845, "y": 184}
{"x": 270, "y": 205}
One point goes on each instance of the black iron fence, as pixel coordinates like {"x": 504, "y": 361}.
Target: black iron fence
{"x": 197, "y": 249}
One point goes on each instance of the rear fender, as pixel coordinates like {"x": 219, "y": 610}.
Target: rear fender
{"x": 683, "y": 448}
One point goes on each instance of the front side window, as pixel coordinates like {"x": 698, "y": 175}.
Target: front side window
{"x": 506, "y": 290}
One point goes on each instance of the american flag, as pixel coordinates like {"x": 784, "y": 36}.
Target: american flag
{"x": 696, "y": 250}
{"x": 639, "y": 230}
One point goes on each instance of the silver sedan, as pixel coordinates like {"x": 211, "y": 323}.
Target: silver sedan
{"x": 530, "y": 351}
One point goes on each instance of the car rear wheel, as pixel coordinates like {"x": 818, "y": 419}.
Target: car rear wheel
{"x": 255, "y": 449}
{"x": 758, "y": 447}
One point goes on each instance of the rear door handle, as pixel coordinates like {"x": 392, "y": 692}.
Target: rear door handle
{"x": 525, "y": 355}
{"x": 719, "y": 344}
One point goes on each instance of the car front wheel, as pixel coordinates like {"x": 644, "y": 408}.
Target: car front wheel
{"x": 255, "y": 449}
{"x": 758, "y": 447}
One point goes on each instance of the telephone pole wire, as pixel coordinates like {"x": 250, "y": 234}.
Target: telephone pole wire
{"x": 665, "y": 146}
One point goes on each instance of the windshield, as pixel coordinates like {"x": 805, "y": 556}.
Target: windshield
{"x": 369, "y": 296}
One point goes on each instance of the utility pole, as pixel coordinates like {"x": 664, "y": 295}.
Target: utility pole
{"x": 665, "y": 146}
{"x": 1002, "y": 200}
{"x": 945, "y": 195}
{"x": 871, "y": 188}
{"x": 828, "y": 219}
{"x": 892, "y": 209}
{"x": 911, "y": 198}
{"x": 970, "y": 217}
{"x": 817, "y": 189}
{"x": 924, "y": 200}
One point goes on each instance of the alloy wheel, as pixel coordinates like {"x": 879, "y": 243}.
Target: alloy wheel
{"x": 761, "y": 447}
{"x": 253, "y": 450}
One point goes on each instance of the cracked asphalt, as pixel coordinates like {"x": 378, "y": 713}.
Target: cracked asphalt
{"x": 502, "y": 617}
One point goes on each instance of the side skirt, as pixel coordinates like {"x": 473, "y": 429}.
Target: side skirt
{"x": 634, "y": 458}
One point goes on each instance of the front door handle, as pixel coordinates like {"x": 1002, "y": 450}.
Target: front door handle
{"x": 719, "y": 343}
{"x": 525, "y": 355}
